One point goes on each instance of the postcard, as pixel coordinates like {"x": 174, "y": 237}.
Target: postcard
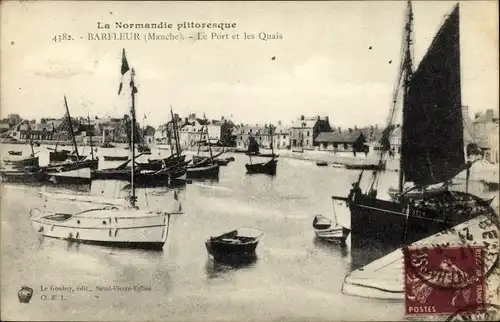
{"x": 249, "y": 161}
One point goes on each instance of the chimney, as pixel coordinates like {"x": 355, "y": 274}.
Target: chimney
{"x": 339, "y": 129}
{"x": 489, "y": 115}
{"x": 222, "y": 118}
{"x": 302, "y": 117}
{"x": 327, "y": 118}
{"x": 355, "y": 127}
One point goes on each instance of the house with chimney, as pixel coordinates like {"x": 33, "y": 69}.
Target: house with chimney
{"x": 485, "y": 130}
{"x": 192, "y": 132}
{"x": 350, "y": 140}
{"x": 281, "y": 136}
{"x": 261, "y": 134}
{"x": 305, "y": 130}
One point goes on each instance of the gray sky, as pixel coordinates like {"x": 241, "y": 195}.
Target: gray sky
{"x": 322, "y": 66}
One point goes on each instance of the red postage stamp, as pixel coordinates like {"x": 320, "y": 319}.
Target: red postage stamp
{"x": 443, "y": 280}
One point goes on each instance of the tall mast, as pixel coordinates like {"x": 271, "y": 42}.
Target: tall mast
{"x": 408, "y": 71}
{"x": 174, "y": 127}
{"x": 91, "y": 146}
{"x": 71, "y": 128}
{"x": 132, "y": 138}
{"x": 31, "y": 140}
{"x": 272, "y": 139}
{"x": 208, "y": 137}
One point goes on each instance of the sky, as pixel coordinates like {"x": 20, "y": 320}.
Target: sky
{"x": 322, "y": 66}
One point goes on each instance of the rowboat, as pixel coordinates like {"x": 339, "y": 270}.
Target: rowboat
{"x": 329, "y": 230}
{"x": 210, "y": 171}
{"x": 322, "y": 163}
{"x": 15, "y": 152}
{"x": 239, "y": 242}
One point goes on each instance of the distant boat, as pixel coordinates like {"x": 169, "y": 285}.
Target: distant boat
{"x": 238, "y": 242}
{"x": 107, "y": 145}
{"x": 15, "y": 152}
{"x": 115, "y": 158}
{"x": 322, "y": 163}
{"x": 24, "y": 162}
{"x": 329, "y": 230}
{"x": 268, "y": 167}
{"x": 209, "y": 171}
{"x": 362, "y": 166}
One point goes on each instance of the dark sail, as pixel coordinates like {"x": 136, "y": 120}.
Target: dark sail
{"x": 432, "y": 142}
{"x": 253, "y": 146}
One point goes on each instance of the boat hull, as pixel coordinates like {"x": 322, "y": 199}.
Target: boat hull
{"x": 83, "y": 176}
{"x": 92, "y": 164}
{"x": 265, "y": 168}
{"x": 24, "y": 162}
{"x": 112, "y": 174}
{"x": 115, "y": 158}
{"x": 211, "y": 171}
{"x": 15, "y": 152}
{"x": 106, "y": 227}
{"x": 380, "y": 222}
{"x": 21, "y": 177}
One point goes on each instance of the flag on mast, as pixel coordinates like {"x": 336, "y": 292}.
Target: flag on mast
{"x": 124, "y": 69}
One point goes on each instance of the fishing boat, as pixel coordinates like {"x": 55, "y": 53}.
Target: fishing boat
{"x": 328, "y": 230}
{"x": 21, "y": 176}
{"x": 158, "y": 164}
{"x": 240, "y": 242}
{"x": 321, "y": 163}
{"x": 31, "y": 161}
{"x": 109, "y": 225}
{"x": 200, "y": 172}
{"x": 364, "y": 166}
{"x": 115, "y": 158}
{"x": 107, "y": 145}
{"x": 15, "y": 152}
{"x": 268, "y": 167}
{"x": 432, "y": 149}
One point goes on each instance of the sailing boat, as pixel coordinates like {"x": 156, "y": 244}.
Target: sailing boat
{"x": 268, "y": 167}
{"x": 29, "y": 161}
{"x": 76, "y": 161}
{"x": 110, "y": 226}
{"x": 432, "y": 150}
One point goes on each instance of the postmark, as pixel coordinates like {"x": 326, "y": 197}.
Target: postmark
{"x": 444, "y": 280}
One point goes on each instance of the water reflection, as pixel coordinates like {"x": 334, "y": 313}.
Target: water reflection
{"x": 331, "y": 247}
{"x": 216, "y": 268}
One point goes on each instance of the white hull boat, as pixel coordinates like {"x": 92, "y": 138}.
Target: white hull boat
{"x": 78, "y": 175}
{"x": 110, "y": 226}
{"x": 329, "y": 230}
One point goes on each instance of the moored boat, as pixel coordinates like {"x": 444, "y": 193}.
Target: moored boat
{"x": 115, "y": 158}
{"x": 210, "y": 171}
{"x": 268, "y": 167}
{"x": 321, "y": 163}
{"x": 30, "y": 161}
{"x": 240, "y": 242}
{"x": 329, "y": 230}
{"x": 82, "y": 175}
{"x": 15, "y": 152}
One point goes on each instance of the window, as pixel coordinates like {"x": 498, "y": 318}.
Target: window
{"x": 307, "y": 133}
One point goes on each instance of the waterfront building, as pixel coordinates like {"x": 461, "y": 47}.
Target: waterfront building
{"x": 304, "y": 131}
{"x": 342, "y": 141}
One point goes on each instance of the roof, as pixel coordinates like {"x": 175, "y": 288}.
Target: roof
{"x": 336, "y": 137}
{"x": 306, "y": 123}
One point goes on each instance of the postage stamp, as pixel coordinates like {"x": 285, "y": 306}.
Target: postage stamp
{"x": 444, "y": 280}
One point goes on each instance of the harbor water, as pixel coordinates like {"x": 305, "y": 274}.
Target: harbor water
{"x": 294, "y": 277}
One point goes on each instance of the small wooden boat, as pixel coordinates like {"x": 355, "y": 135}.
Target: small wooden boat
{"x": 238, "y": 242}
{"x": 264, "y": 155}
{"x": 158, "y": 164}
{"x": 329, "y": 230}
{"x": 115, "y": 158}
{"x": 15, "y": 152}
{"x": 162, "y": 177}
{"x": 298, "y": 151}
{"x": 268, "y": 167}
{"x": 210, "y": 171}
{"x": 338, "y": 165}
{"x": 113, "y": 174}
{"x": 109, "y": 226}
{"x": 82, "y": 175}
{"x": 13, "y": 176}
{"x": 24, "y": 162}
{"x": 107, "y": 145}
{"x": 74, "y": 165}
{"x": 373, "y": 166}
{"x": 322, "y": 163}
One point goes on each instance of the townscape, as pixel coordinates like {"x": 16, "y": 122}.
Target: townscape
{"x": 422, "y": 179}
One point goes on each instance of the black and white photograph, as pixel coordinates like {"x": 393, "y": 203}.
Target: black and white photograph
{"x": 249, "y": 161}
